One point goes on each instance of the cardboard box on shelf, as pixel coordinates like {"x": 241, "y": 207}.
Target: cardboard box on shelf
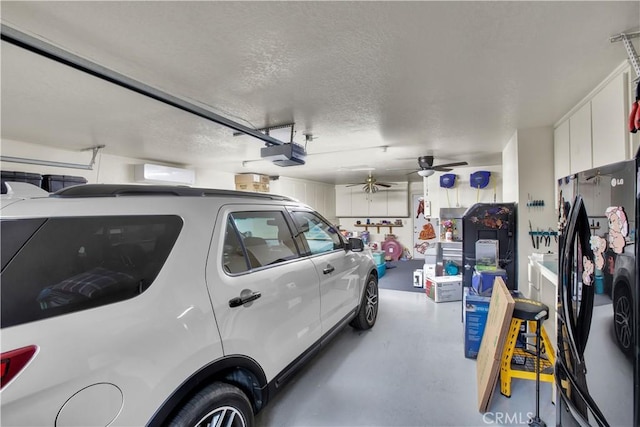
{"x": 251, "y": 178}
{"x": 253, "y": 186}
{"x": 252, "y": 182}
{"x": 444, "y": 288}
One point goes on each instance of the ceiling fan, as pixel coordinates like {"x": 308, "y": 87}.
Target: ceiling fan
{"x": 370, "y": 184}
{"x": 427, "y": 168}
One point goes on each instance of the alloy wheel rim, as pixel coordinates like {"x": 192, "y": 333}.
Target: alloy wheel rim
{"x": 622, "y": 319}
{"x": 372, "y": 302}
{"x": 226, "y": 416}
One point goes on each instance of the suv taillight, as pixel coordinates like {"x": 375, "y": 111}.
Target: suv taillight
{"x": 13, "y": 361}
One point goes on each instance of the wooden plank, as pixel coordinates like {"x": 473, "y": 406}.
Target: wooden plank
{"x": 493, "y": 339}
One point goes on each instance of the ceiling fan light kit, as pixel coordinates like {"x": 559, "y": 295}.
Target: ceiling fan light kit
{"x": 427, "y": 168}
{"x": 370, "y": 189}
{"x": 370, "y": 185}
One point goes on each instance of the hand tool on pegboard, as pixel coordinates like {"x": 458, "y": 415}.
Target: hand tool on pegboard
{"x": 634, "y": 115}
{"x": 533, "y": 238}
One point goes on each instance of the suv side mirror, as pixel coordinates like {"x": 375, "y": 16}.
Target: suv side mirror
{"x": 355, "y": 244}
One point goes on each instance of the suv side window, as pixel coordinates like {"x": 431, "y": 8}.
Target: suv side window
{"x": 257, "y": 239}
{"x": 63, "y": 265}
{"x": 321, "y": 236}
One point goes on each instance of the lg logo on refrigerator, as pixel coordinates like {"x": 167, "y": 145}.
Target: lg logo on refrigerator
{"x": 617, "y": 181}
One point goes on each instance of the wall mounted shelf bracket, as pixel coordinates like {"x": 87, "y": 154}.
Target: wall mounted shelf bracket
{"x": 23, "y": 160}
{"x": 631, "y": 52}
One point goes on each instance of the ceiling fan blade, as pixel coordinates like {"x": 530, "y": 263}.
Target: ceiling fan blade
{"x": 449, "y": 165}
{"x": 384, "y": 184}
{"x": 413, "y": 171}
{"x": 359, "y": 183}
{"x": 441, "y": 169}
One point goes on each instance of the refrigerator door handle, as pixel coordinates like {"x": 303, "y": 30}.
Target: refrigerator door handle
{"x": 578, "y": 326}
{"x": 565, "y": 277}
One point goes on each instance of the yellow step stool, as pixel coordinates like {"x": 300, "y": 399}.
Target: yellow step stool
{"x": 521, "y": 362}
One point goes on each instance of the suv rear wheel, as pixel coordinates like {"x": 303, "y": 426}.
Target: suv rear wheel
{"x": 218, "y": 404}
{"x": 368, "y": 311}
{"x": 623, "y": 319}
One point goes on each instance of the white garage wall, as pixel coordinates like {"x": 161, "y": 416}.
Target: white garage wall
{"x": 208, "y": 178}
{"x": 120, "y": 170}
{"x": 107, "y": 169}
{"x": 38, "y": 152}
{"x": 318, "y": 195}
{"x": 528, "y": 160}
{"x": 510, "y": 170}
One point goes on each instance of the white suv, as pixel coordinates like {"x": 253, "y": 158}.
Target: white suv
{"x": 130, "y": 305}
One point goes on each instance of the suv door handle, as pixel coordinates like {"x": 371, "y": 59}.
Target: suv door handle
{"x": 238, "y": 301}
{"x": 330, "y": 268}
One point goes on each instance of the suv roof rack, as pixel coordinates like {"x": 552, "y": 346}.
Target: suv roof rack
{"x": 120, "y": 190}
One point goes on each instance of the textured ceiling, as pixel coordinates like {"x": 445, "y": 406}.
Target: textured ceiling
{"x": 453, "y": 79}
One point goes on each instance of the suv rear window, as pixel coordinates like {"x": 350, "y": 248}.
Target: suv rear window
{"x": 56, "y": 266}
{"x": 261, "y": 238}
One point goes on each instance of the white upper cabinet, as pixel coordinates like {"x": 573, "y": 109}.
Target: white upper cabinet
{"x": 580, "y": 139}
{"x": 343, "y": 201}
{"x": 388, "y": 202}
{"x": 319, "y": 196}
{"x": 609, "y": 122}
{"x": 596, "y": 134}
{"x": 561, "y": 152}
{"x": 398, "y": 200}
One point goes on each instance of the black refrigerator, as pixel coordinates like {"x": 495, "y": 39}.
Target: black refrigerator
{"x": 597, "y": 312}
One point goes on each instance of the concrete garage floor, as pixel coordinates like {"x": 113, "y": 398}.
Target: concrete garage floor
{"x": 409, "y": 370}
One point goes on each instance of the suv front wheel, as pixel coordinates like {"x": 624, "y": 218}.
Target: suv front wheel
{"x": 368, "y": 311}
{"x": 218, "y": 404}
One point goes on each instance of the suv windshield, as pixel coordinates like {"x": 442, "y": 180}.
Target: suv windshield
{"x": 56, "y": 266}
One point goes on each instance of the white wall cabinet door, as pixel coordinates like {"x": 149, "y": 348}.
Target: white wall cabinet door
{"x": 398, "y": 200}
{"x": 359, "y": 203}
{"x": 580, "y": 139}
{"x": 609, "y": 122}
{"x": 561, "y": 151}
{"x": 343, "y": 201}
{"x": 378, "y": 203}
{"x": 387, "y": 202}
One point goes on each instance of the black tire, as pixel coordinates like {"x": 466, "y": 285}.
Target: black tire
{"x": 623, "y": 319}
{"x": 215, "y": 400}
{"x": 368, "y": 311}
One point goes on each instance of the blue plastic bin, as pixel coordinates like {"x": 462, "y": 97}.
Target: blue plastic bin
{"x": 382, "y": 268}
